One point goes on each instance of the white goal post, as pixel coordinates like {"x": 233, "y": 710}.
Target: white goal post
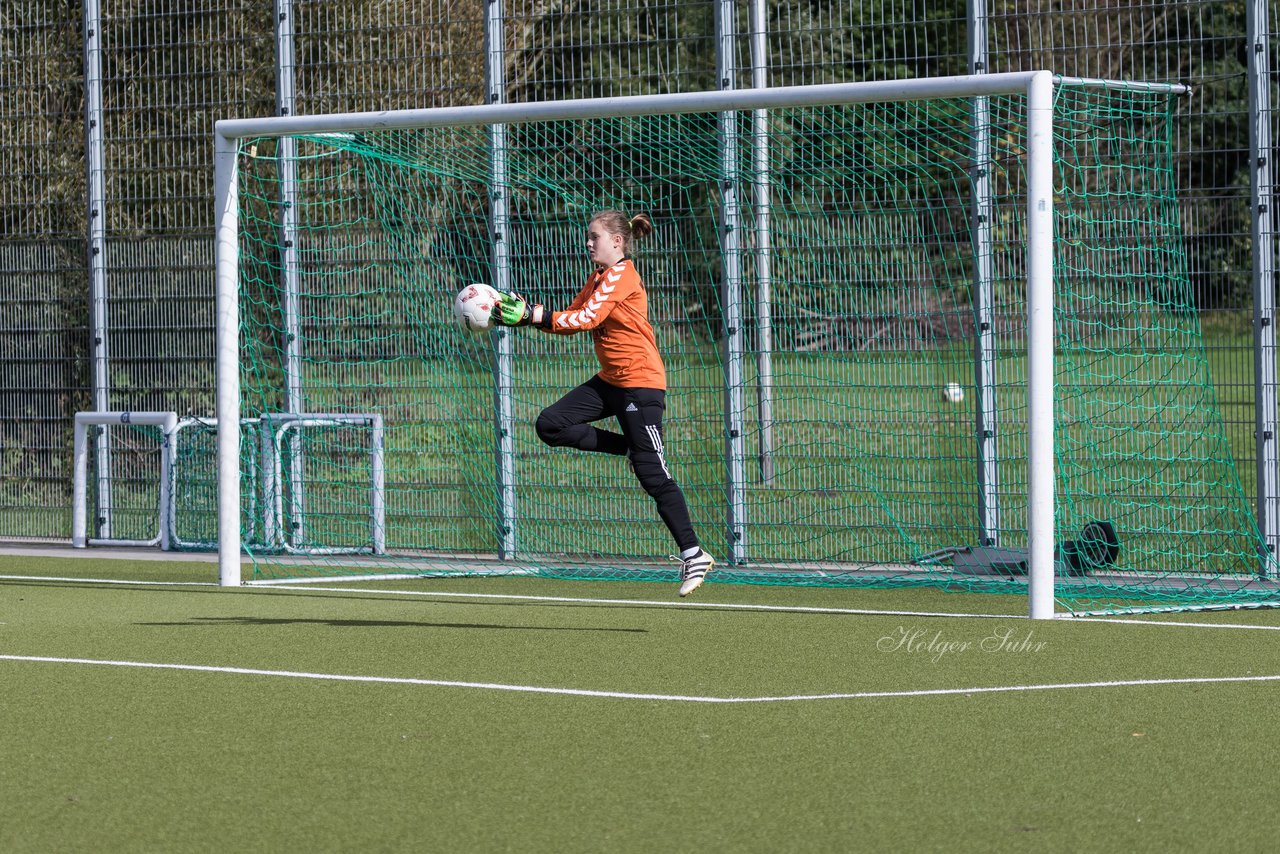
{"x": 1036, "y": 86}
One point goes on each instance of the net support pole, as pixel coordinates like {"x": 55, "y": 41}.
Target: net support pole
{"x": 1261, "y": 202}
{"x": 504, "y": 356}
{"x": 984, "y": 341}
{"x": 95, "y": 169}
{"x": 291, "y": 347}
{"x": 227, "y": 333}
{"x": 731, "y": 254}
{"x": 1040, "y": 343}
{"x": 764, "y": 241}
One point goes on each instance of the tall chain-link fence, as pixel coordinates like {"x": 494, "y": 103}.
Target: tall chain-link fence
{"x": 106, "y": 145}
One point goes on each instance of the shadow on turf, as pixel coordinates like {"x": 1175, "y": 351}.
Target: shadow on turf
{"x": 153, "y": 588}
{"x": 291, "y": 621}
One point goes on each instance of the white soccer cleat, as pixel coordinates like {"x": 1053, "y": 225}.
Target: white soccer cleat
{"x": 693, "y": 570}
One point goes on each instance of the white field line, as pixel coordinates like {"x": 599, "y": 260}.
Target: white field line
{"x": 663, "y": 603}
{"x": 630, "y": 695}
{"x": 107, "y": 581}
{"x": 445, "y": 594}
{"x": 801, "y": 609}
{"x": 1133, "y": 622}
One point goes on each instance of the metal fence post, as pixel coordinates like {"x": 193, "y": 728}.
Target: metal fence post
{"x": 100, "y": 354}
{"x": 286, "y": 158}
{"x": 764, "y": 239}
{"x": 504, "y": 361}
{"x": 1262, "y": 217}
{"x": 731, "y": 253}
{"x": 984, "y": 346}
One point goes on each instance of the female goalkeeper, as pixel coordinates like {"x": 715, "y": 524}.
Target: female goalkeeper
{"x": 632, "y": 382}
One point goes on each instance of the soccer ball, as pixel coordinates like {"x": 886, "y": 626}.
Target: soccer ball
{"x": 954, "y": 393}
{"x": 473, "y": 305}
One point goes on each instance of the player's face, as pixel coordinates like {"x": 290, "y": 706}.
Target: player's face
{"x": 604, "y": 247}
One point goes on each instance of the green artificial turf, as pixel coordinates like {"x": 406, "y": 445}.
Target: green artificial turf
{"x": 109, "y": 758}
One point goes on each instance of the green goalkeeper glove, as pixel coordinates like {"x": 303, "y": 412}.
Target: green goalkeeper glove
{"x": 512, "y": 310}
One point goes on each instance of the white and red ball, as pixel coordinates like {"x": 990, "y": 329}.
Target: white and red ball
{"x": 473, "y": 306}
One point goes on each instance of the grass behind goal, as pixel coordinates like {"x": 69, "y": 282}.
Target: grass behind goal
{"x": 865, "y": 473}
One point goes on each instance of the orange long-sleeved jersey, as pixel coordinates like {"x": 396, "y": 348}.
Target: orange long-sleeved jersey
{"x": 613, "y": 305}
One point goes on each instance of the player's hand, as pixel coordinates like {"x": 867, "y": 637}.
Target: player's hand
{"x": 512, "y": 310}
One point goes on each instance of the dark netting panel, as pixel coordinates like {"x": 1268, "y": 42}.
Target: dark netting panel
{"x": 43, "y": 293}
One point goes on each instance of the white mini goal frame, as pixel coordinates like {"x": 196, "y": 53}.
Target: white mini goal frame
{"x": 168, "y": 424}
{"x": 272, "y": 428}
{"x": 275, "y": 427}
{"x": 175, "y": 539}
{"x": 1037, "y": 86}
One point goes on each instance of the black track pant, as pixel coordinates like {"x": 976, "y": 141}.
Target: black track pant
{"x": 567, "y": 424}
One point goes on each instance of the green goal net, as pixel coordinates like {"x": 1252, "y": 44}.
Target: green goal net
{"x": 871, "y": 427}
